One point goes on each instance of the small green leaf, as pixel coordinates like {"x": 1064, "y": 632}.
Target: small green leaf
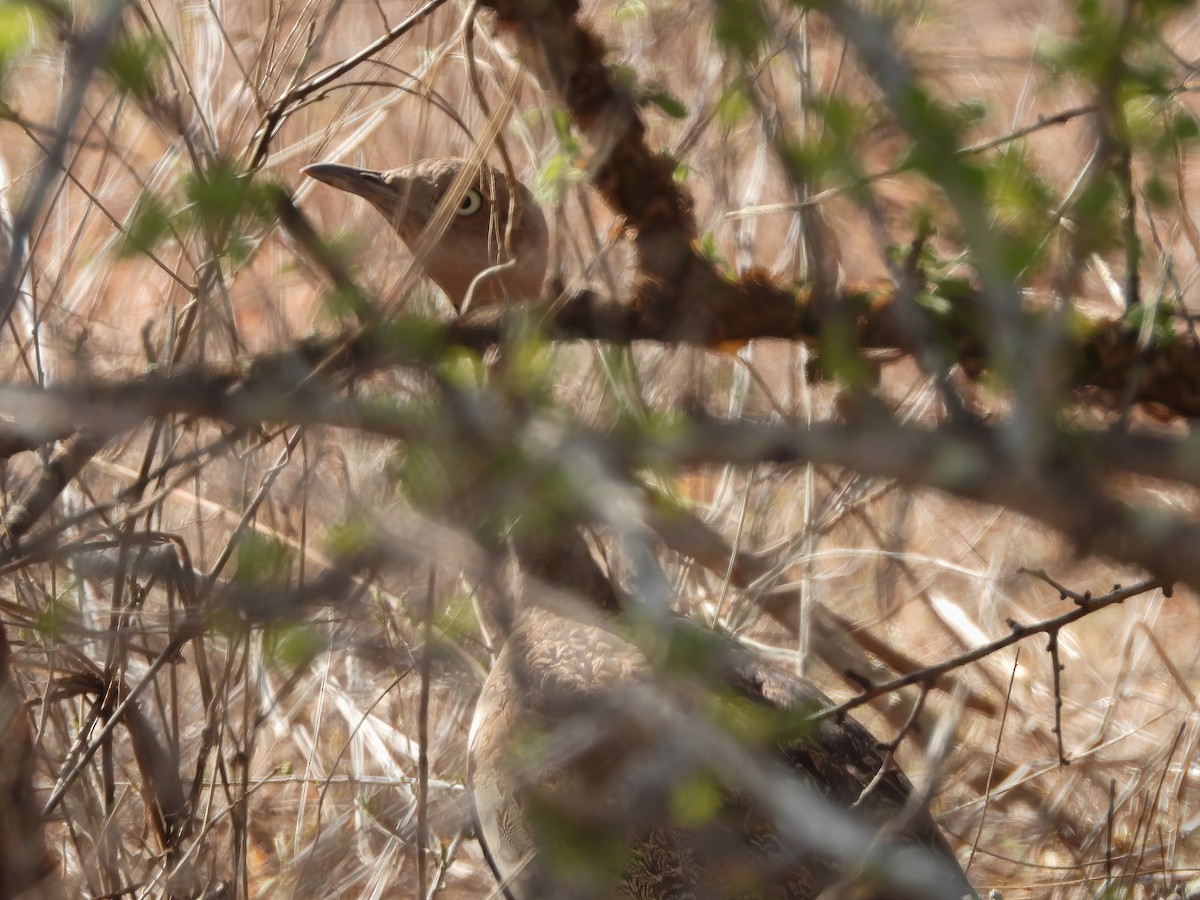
{"x": 422, "y": 472}
{"x": 222, "y": 193}
{"x": 148, "y": 222}
{"x": 668, "y": 103}
{"x": 456, "y": 618}
{"x": 696, "y": 802}
{"x": 1158, "y": 192}
{"x": 561, "y": 120}
{"x": 131, "y": 62}
{"x": 708, "y": 248}
{"x": 462, "y": 368}
{"x": 741, "y": 26}
{"x": 51, "y": 619}
{"x": 350, "y": 537}
{"x": 219, "y": 193}
{"x": 1184, "y": 126}
{"x": 17, "y": 29}
{"x": 552, "y": 180}
{"x": 733, "y": 106}
{"x": 414, "y": 335}
{"x": 291, "y": 645}
{"x": 346, "y": 301}
{"x": 261, "y": 560}
{"x": 939, "y": 306}
{"x": 839, "y": 356}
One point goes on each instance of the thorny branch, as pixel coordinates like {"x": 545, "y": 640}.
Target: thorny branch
{"x": 1050, "y": 627}
{"x": 1065, "y": 490}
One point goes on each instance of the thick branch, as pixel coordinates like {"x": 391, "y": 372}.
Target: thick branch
{"x": 1063, "y": 489}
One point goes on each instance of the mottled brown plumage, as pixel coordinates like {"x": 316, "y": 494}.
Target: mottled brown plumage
{"x": 584, "y": 779}
{"x": 477, "y": 237}
{"x": 581, "y": 741}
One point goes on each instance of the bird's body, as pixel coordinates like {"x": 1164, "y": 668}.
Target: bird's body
{"x": 583, "y": 739}
{"x": 477, "y": 257}
{"x": 587, "y": 771}
{"x": 588, "y": 782}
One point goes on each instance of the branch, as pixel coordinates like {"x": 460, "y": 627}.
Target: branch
{"x": 1051, "y": 627}
{"x": 1062, "y": 487}
{"x": 679, "y": 296}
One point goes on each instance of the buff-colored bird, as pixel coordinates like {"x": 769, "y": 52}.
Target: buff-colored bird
{"x": 584, "y": 785}
{"x": 477, "y": 257}
{"x": 594, "y": 773}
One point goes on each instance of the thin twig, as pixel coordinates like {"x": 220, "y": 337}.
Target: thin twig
{"x": 987, "y": 789}
{"x": 931, "y": 674}
{"x": 1052, "y": 649}
{"x": 423, "y": 733}
{"x": 281, "y": 108}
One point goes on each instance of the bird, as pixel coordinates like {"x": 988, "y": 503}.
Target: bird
{"x": 586, "y": 783}
{"x": 477, "y": 260}
{"x": 582, "y": 782}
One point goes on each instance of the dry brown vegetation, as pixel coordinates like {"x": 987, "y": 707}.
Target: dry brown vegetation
{"x": 199, "y": 562}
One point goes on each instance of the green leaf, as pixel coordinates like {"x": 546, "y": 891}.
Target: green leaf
{"x": 708, "y": 248}
{"x": 424, "y": 473}
{"x": 733, "y": 106}
{"x": 414, "y": 335}
{"x": 667, "y": 102}
{"x": 741, "y": 26}
{"x": 148, "y": 222}
{"x": 463, "y": 368}
{"x": 131, "y": 62}
{"x": 350, "y": 537}
{"x": 552, "y": 179}
{"x": 1158, "y": 192}
{"x": 219, "y": 193}
{"x": 261, "y": 560}
{"x": 51, "y": 619}
{"x": 561, "y": 120}
{"x": 839, "y": 356}
{"x": 291, "y": 645}
{"x": 222, "y": 193}
{"x": 1184, "y": 126}
{"x": 696, "y": 801}
{"x": 456, "y": 618}
{"x": 17, "y": 29}
{"x": 346, "y": 301}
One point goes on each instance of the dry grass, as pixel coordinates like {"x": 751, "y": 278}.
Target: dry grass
{"x": 307, "y": 775}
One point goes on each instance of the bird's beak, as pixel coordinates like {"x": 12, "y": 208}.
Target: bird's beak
{"x": 364, "y": 182}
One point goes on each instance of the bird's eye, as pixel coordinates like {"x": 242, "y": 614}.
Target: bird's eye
{"x": 472, "y": 202}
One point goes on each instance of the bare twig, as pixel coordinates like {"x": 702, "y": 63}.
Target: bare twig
{"x": 280, "y": 109}
{"x": 930, "y": 674}
{"x": 423, "y": 734}
{"x": 1056, "y": 664}
{"x": 987, "y": 790}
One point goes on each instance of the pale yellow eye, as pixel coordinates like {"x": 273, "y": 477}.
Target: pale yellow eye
{"x": 472, "y": 202}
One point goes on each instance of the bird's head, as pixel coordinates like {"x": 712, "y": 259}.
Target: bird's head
{"x": 476, "y": 236}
